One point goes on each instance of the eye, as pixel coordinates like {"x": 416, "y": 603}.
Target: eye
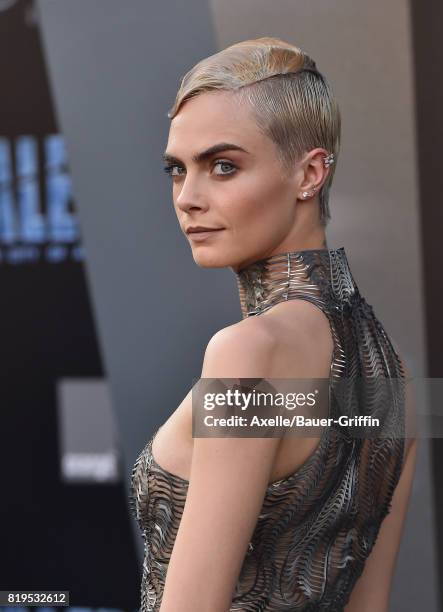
{"x": 224, "y": 163}
{"x": 177, "y": 170}
{"x": 169, "y": 169}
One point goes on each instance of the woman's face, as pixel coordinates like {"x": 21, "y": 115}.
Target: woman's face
{"x": 238, "y": 190}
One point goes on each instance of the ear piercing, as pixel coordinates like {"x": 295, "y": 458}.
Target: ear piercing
{"x": 328, "y": 160}
{"x": 309, "y": 194}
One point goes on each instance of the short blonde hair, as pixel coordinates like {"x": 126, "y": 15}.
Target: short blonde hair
{"x": 292, "y": 102}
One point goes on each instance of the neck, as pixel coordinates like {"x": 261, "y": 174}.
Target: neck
{"x": 315, "y": 274}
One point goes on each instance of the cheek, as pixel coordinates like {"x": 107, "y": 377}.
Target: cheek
{"x": 258, "y": 200}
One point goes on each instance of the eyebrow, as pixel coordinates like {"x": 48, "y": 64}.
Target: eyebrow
{"x": 200, "y": 157}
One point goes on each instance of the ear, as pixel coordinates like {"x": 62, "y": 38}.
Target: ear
{"x": 315, "y": 173}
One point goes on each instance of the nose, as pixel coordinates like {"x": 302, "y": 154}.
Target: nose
{"x": 189, "y": 196}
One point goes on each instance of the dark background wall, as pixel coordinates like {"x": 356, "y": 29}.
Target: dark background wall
{"x": 426, "y": 19}
{"x": 53, "y": 535}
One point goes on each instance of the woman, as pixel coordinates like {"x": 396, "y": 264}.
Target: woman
{"x": 268, "y": 523}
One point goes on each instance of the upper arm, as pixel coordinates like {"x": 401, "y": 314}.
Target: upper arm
{"x": 228, "y": 481}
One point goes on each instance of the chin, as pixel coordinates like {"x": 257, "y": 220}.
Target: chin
{"x": 209, "y": 258}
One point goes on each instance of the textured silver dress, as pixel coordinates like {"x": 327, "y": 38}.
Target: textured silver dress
{"x": 317, "y": 526}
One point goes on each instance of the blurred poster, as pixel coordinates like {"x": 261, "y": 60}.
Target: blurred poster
{"x": 65, "y": 523}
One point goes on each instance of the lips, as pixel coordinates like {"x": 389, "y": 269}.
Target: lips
{"x": 199, "y": 229}
{"x": 203, "y": 234}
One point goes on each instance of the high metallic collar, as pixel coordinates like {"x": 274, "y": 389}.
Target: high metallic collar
{"x": 317, "y": 273}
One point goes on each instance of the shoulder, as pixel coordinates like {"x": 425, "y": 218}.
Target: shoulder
{"x": 244, "y": 349}
{"x": 295, "y": 332}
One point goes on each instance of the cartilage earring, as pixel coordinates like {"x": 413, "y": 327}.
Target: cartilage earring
{"x": 328, "y": 159}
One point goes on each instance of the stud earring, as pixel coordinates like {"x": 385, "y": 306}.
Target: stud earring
{"x": 307, "y": 194}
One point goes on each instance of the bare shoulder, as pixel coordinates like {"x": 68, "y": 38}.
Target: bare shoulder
{"x": 291, "y": 339}
{"x": 244, "y": 349}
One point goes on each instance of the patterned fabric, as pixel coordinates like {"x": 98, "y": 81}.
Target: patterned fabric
{"x": 316, "y": 527}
